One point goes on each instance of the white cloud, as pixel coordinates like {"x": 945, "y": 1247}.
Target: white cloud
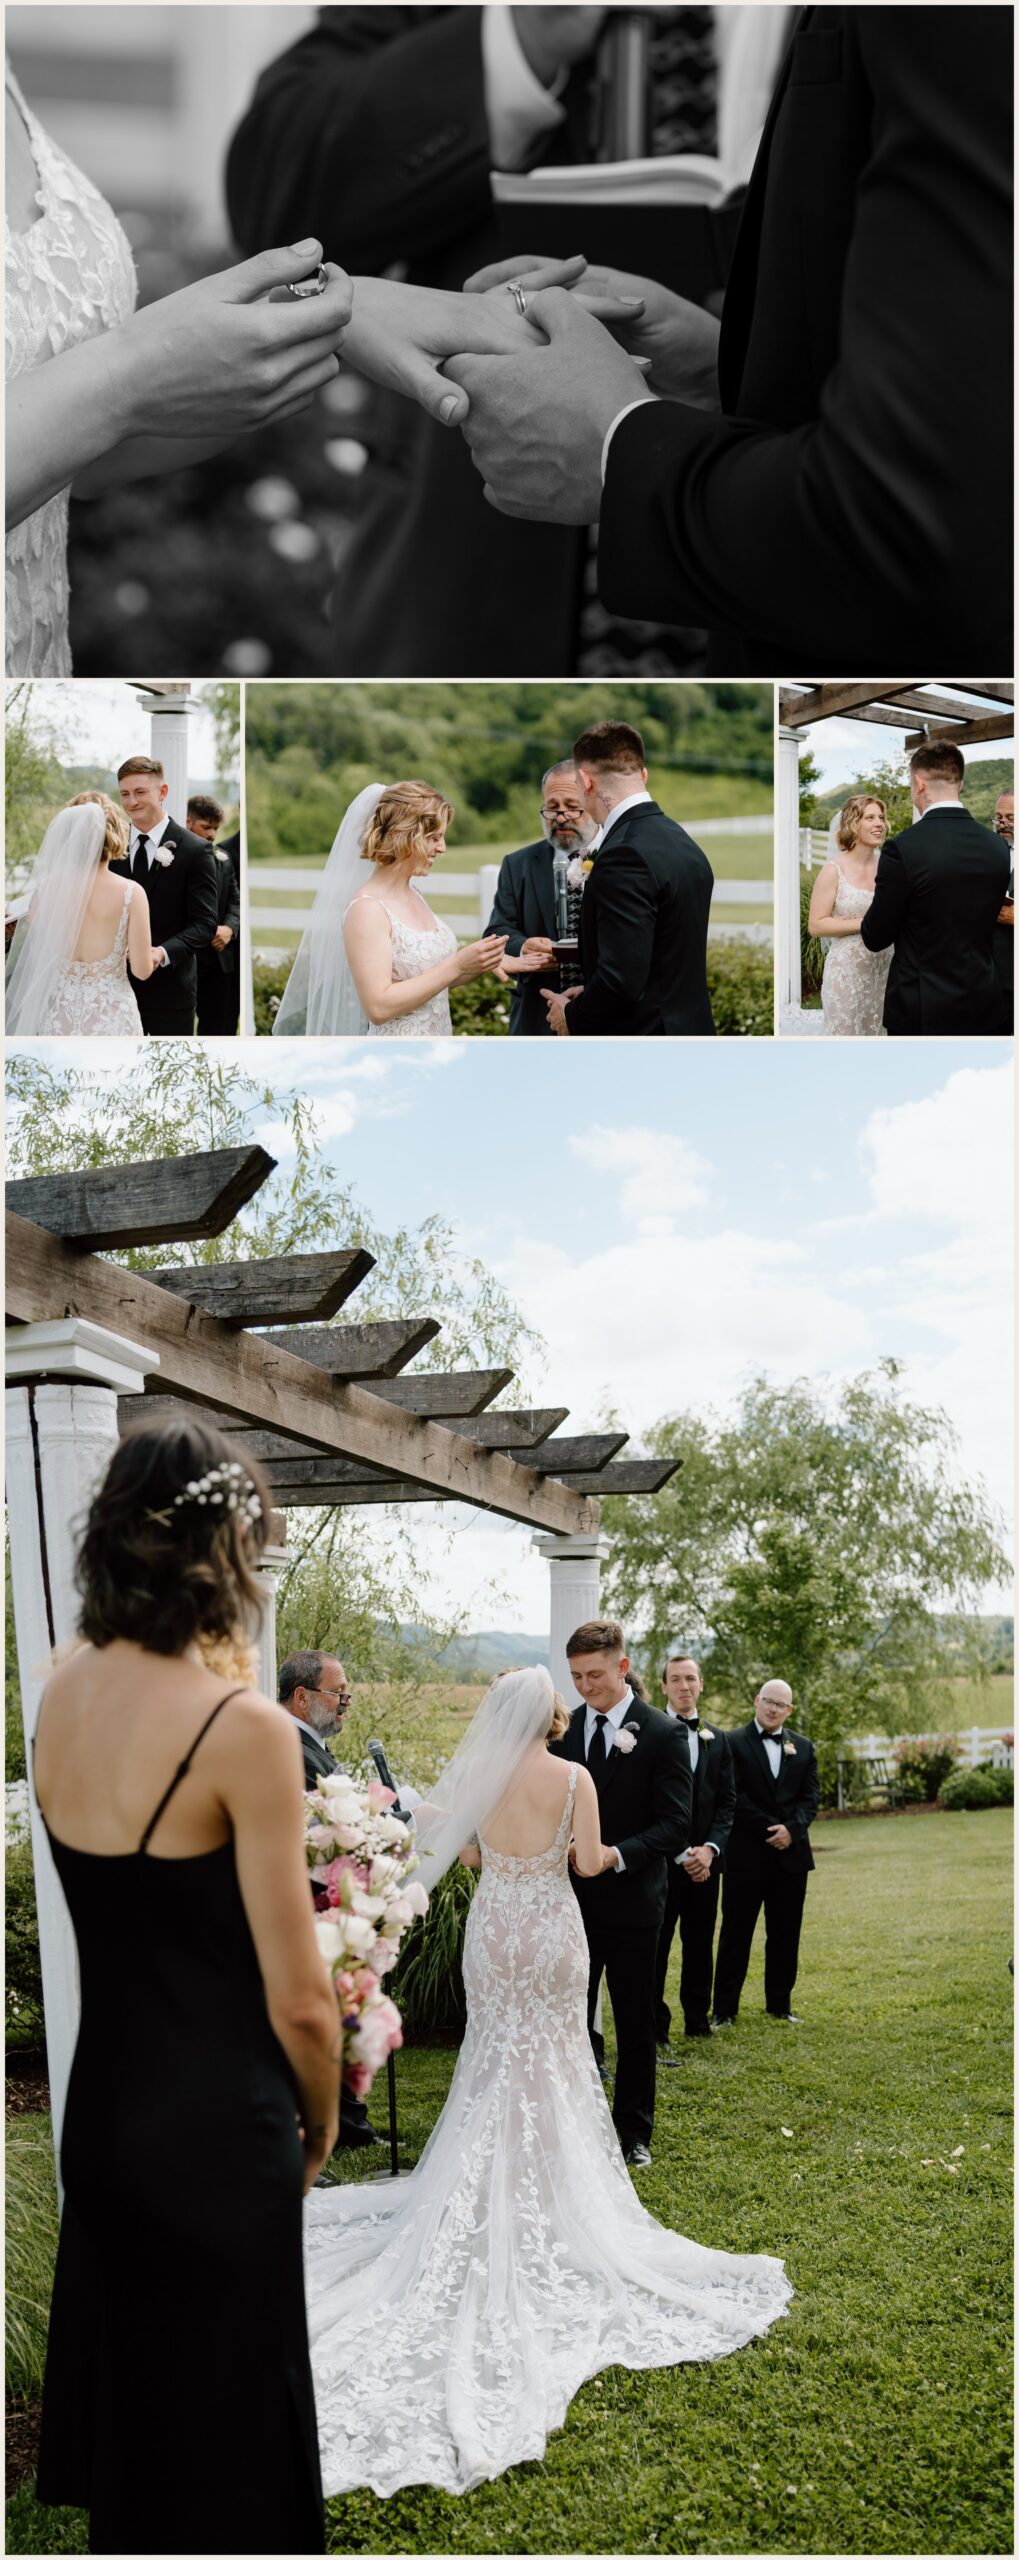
{"x": 659, "y": 1175}
{"x": 948, "y": 1155}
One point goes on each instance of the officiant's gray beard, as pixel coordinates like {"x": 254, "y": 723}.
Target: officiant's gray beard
{"x": 568, "y": 839}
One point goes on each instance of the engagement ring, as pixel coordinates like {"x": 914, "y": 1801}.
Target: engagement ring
{"x": 311, "y": 284}
{"x": 519, "y": 297}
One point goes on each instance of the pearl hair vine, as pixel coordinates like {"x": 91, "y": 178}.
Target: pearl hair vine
{"x": 226, "y": 1485}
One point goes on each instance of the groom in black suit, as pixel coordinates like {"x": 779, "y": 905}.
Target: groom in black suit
{"x": 640, "y": 1764}
{"x": 769, "y": 1856}
{"x": 644, "y": 918}
{"x": 525, "y": 904}
{"x": 693, "y": 1878}
{"x": 177, "y": 871}
{"x": 815, "y": 480}
{"x": 939, "y": 891}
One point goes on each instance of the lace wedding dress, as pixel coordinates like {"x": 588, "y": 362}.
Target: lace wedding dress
{"x": 95, "y": 996}
{"x": 854, "y": 980}
{"x": 416, "y": 949}
{"x": 68, "y": 277}
{"x": 453, "y": 2316}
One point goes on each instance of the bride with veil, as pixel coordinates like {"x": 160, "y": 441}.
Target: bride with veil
{"x": 374, "y": 961}
{"x": 67, "y": 971}
{"x": 453, "y": 2315}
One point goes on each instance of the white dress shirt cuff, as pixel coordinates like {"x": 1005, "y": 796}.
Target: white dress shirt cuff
{"x": 519, "y": 110}
{"x": 617, "y": 422}
{"x": 620, "y": 1864}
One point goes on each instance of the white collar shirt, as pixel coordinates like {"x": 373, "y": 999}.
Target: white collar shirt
{"x": 633, "y": 800}
{"x": 773, "y": 1746}
{"x": 155, "y": 836}
{"x": 616, "y": 1717}
{"x": 934, "y": 808}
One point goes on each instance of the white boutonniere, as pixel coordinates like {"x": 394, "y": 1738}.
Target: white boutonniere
{"x": 162, "y": 855}
{"x": 789, "y": 1751}
{"x": 626, "y": 1738}
{"x": 707, "y": 1733}
{"x": 575, "y": 873}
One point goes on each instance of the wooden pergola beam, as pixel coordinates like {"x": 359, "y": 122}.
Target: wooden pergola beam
{"x": 174, "y": 1200}
{"x": 276, "y": 1450}
{"x": 996, "y": 691}
{"x": 459, "y": 1397}
{"x": 829, "y": 701}
{"x": 304, "y": 1491}
{"x": 277, "y": 1291}
{"x": 357, "y": 1350}
{"x": 214, "y": 1365}
{"x": 577, "y": 1455}
{"x": 629, "y": 1475}
{"x": 998, "y": 724}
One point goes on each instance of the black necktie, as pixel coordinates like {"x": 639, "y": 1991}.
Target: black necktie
{"x": 597, "y": 1756}
{"x": 140, "y": 862}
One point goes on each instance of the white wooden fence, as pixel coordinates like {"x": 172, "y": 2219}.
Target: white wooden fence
{"x": 813, "y": 847}
{"x": 977, "y": 1742}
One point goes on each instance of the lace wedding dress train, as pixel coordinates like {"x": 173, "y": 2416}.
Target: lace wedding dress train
{"x": 453, "y": 2316}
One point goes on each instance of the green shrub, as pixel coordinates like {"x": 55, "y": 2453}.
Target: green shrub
{"x": 855, "y": 1782}
{"x": 269, "y": 985}
{"x": 1002, "y": 1781}
{"x": 924, "y": 1765}
{"x": 969, "y": 1790}
{"x": 427, "y": 1984}
{"x": 23, "y": 1976}
{"x": 741, "y": 984}
{"x": 31, "y": 2235}
{"x": 481, "y": 1009}
{"x": 813, "y": 952}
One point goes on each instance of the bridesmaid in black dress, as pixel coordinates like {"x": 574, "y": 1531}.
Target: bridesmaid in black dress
{"x": 203, "y": 2094}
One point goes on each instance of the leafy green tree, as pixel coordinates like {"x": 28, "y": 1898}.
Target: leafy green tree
{"x": 810, "y": 775}
{"x": 34, "y": 786}
{"x": 814, "y": 1536}
{"x": 224, "y": 702}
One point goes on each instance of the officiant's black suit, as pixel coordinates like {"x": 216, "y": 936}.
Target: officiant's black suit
{"x": 644, "y": 933}
{"x": 183, "y": 898}
{"x": 850, "y": 499}
{"x": 525, "y": 905}
{"x": 371, "y": 132}
{"x": 936, "y": 899}
{"x": 694, "y": 1907}
{"x": 644, "y": 1797}
{"x": 757, "y": 1877}
{"x": 218, "y": 971}
{"x": 354, "y": 2121}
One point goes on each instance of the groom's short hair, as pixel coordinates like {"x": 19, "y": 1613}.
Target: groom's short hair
{"x": 611, "y": 746}
{"x": 141, "y": 764}
{"x": 597, "y": 1635}
{"x": 941, "y": 761}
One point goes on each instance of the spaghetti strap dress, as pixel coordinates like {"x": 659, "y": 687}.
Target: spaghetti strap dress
{"x": 178, "y": 2404}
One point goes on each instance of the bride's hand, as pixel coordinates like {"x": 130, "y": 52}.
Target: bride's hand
{"x": 402, "y": 334}
{"x": 476, "y": 957}
{"x": 223, "y": 356}
{"x": 674, "y": 342}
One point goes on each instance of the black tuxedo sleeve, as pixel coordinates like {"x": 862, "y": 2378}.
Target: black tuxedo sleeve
{"x": 799, "y": 1821}
{"x": 725, "y": 1801}
{"x": 371, "y": 132}
{"x": 202, "y": 897}
{"x": 232, "y": 911}
{"x": 507, "y": 913}
{"x": 880, "y": 926}
{"x": 626, "y": 915}
{"x": 897, "y": 488}
{"x": 669, "y": 1831}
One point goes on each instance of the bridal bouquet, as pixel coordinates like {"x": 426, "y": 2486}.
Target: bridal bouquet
{"x": 362, "y": 1859}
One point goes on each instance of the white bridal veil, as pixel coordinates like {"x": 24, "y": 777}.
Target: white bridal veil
{"x": 320, "y": 998}
{"x": 47, "y": 935}
{"x": 514, "y": 1714}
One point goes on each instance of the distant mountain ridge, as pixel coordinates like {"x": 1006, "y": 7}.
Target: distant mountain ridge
{"x": 479, "y": 1657}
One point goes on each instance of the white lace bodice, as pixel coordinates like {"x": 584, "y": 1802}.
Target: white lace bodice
{"x": 854, "y": 980}
{"x": 454, "y": 2314}
{"x": 95, "y": 996}
{"x": 415, "y": 949}
{"x": 67, "y": 278}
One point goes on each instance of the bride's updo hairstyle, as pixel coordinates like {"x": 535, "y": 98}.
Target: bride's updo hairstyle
{"x": 117, "y": 838}
{"x": 560, "y": 1711}
{"x": 400, "y": 825}
{"x": 848, "y": 829}
{"x": 172, "y": 1541}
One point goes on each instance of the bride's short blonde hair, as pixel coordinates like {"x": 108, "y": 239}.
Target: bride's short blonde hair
{"x": 848, "y": 827}
{"x": 407, "y": 814}
{"x": 117, "y": 837}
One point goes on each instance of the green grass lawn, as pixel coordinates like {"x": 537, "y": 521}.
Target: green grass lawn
{"x": 871, "y": 2149}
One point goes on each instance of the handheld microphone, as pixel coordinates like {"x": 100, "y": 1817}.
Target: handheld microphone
{"x": 561, "y": 891}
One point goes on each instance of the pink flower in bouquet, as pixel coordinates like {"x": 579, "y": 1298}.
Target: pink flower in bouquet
{"x": 379, "y": 2032}
{"x": 357, "y": 2078}
{"x": 380, "y": 1796}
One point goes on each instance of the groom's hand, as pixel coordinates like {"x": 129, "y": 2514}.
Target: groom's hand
{"x": 674, "y": 339}
{"x": 539, "y": 417}
{"x": 556, "y": 1005}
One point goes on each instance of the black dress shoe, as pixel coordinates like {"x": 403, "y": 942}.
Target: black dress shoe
{"x": 785, "y": 2017}
{"x": 638, "y": 2156}
{"x": 698, "y": 2031}
{"x": 362, "y": 2137}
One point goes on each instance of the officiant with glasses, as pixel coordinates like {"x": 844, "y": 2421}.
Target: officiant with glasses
{"x": 379, "y": 130}
{"x": 538, "y": 897}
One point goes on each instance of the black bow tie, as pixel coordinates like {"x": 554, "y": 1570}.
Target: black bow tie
{"x": 768, "y": 1737}
{"x": 692, "y": 1723}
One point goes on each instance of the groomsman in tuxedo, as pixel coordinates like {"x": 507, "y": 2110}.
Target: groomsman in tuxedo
{"x": 811, "y": 476}
{"x": 1004, "y": 931}
{"x": 312, "y": 1686}
{"x": 177, "y": 871}
{"x": 640, "y": 1763}
{"x": 525, "y": 906}
{"x": 769, "y": 1856}
{"x": 937, "y": 898}
{"x": 693, "y": 1878}
{"x": 644, "y": 917}
{"x": 218, "y": 977}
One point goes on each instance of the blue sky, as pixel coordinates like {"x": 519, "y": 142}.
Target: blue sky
{"x": 672, "y": 1216}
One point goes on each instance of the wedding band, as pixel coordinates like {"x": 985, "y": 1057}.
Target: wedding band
{"x": 311, "y": 284}
{"x": 519, "y": 296}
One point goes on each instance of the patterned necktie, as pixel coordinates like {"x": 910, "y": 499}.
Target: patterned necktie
{"x": 140, "y": 862}
{"x": 683, "y": 117}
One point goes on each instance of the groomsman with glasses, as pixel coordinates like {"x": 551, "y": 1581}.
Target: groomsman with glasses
{"x": 691, "y": 1894}
{"x": 769, "y": 1856}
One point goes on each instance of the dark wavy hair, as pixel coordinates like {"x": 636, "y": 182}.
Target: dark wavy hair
{"x": 159, "y": 1576}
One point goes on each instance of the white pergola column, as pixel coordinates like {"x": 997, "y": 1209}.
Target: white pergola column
{"x": 167, "y": 714}
{"x": 787, "y": 844}
{"x": 574, "y": 1566}
{"x": 63, "y": 1380}
{"x": 274, "y": 1556}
